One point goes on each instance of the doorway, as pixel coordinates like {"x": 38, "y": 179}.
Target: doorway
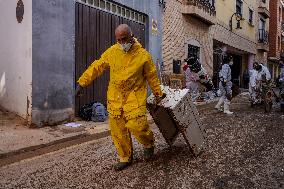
{"x": 94, "y": 33}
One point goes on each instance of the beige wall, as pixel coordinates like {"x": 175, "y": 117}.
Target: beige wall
{"x": 223, "y": 34}
{"x": 244, "y": 39}
{"x": 225, "y": 10}
{"x": 261, "y": 56}
{"x": 16, "y": 58}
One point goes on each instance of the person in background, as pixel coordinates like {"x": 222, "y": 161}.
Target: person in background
{"x": 253, "y": 87}
{"x": 263, "y": 73}
{"x": 263, "y": 78}
{"x": 225, "y": 85}
{"x": 281, "y": 75}
{"x": 192, "y": 77}
{"x": 196, "y": 75}
{"x": 281, "y": 87}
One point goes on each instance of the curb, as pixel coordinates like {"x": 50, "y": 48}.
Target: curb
{"x": 37, "y": 150}
{"x": 32, "y": 151}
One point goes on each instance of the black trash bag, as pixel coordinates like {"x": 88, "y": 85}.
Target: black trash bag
{"x": 86, "y": 111}
{"x": 93, "y": 111}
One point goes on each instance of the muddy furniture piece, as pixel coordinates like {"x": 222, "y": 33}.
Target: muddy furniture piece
{"x": 176, "y": 81}
{"x": 175, "y": 84}
{"x": 177, "y": 114}
{"x": 180, "y": 77}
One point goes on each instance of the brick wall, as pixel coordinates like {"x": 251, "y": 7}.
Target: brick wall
{"x": 178, "y": 30}
{"x": 275, "y": 28}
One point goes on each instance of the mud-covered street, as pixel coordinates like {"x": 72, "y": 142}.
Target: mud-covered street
{"x": 245, "y": 150}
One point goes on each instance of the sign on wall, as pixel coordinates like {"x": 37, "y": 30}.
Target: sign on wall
{"x": 154, "y": 27}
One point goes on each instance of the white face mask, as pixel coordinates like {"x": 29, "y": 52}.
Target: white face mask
{"x": 231, "y": 63}
{"x": 126, "y": 47}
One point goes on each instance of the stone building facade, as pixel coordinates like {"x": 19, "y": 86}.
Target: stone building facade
{"x": 211, "y": 26}
{"x": 179, "y": 31}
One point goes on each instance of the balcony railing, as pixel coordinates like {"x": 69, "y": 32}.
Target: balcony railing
{"x": 263, "y": 40}
{"x": 262, "y": 36}
{"x": 207, "y": 5}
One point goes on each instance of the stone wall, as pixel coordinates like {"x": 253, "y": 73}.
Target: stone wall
{"x": 179, "y": 31}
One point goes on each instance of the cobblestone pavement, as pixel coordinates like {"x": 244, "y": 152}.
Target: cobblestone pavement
{"x": 245, "y": 150}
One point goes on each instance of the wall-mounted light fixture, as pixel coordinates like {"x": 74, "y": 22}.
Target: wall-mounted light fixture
{"x": 238, "y": 19}
{"x": 162, "y": 3}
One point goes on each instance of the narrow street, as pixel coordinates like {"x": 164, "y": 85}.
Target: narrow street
{"x": 244, "y": 150}
{"x": 69, "y": 68}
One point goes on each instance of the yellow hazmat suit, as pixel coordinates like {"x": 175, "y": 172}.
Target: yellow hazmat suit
{"x": 127, "y": 93}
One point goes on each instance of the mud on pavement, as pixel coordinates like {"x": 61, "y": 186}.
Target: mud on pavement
{"x": 245, "y": 150}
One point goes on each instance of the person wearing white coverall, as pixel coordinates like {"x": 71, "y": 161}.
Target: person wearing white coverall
{"x": 258, "y": 75}
{"x": 225, "y": 85}
{"x": 252, "y": 85}
{"x": 262, "y": 72}
{"x": 192, "y": 82}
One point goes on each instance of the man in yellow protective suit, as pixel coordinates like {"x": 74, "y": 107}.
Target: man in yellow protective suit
{"x": 130, "y": 67}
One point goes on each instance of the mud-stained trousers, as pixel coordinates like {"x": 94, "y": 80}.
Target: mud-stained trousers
{"x": 121, "y": 130}
{"x": 193, "y": 87}
{"x": 225, "y": 89}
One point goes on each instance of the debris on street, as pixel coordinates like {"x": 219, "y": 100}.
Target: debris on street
{"x": 72, "y": 124}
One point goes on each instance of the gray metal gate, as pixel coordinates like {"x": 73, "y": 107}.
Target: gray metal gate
{"x": 95, "y": 25}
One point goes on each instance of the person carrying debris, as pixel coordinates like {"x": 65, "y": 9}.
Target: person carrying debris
{"x": 225, "y": 85}
{"x": 192, "y": 77}
{"x": 263, "y": 73}
{"x": 195, "y": 74}
{"x": 130, "y": 67}
{"x": 263, "y": 78}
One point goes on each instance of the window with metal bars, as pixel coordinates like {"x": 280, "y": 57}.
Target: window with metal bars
{"x": 117, "y": 9}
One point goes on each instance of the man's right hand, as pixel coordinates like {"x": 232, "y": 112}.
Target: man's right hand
{"x": 159, "y": 99}
{"x": 79, "y": 91}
